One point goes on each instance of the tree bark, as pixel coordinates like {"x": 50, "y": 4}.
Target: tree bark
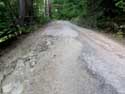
{"x": 47, "y": 4}
{"x": 29, "y": 7}
{"x": 22, "y": 11}
{"x": 25, "y": 11}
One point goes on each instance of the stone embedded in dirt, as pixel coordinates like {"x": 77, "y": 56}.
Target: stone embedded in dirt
{"x": 12, "y": 88}
{"x": 7, "y": 88}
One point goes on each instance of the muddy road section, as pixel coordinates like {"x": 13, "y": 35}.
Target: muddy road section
{"x": 63, "y": 58}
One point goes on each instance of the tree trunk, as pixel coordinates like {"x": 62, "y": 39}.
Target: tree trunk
{"x": 47, "y": 6}
{"x": 22, "y": 11}
{"x": 44, "y": 7}
{"x": 29, "y": 7}
{"x": 25, "y": 11}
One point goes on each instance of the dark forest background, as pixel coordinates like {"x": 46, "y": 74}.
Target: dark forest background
{"x": 20, "y": 16}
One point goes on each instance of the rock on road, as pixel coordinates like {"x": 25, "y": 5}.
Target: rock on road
{"x": 62, "y": 58}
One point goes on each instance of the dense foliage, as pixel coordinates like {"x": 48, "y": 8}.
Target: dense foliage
{"x": 11, "y": 24}
{"x": 106, "y": 14}
{"x": 8, "y": 13}
{"x": 16, "y": 16}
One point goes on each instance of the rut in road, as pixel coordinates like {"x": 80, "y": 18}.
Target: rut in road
{"x": 63, "y": 58}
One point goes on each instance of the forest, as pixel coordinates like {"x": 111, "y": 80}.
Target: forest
{"x": 21, "y": 16}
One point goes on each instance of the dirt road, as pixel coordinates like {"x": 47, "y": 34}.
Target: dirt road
{"x": 63, "y": 58}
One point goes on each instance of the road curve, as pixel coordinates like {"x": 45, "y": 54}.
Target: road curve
{"x": 63, "y": 58}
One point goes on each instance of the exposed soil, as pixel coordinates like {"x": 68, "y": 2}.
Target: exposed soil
{"x": 63, "y": 58}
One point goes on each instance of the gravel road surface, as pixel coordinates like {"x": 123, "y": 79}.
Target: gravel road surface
{"x": 63, "y": 58}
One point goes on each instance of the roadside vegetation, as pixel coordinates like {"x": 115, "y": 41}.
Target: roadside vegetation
{"x": 21, "y": 16}
{"x": 108, "y": 15}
